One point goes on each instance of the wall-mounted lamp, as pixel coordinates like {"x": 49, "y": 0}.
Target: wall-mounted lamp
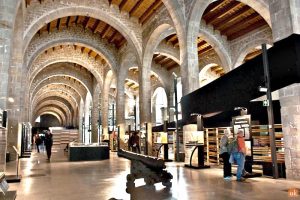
{"x": 262, "y": 89}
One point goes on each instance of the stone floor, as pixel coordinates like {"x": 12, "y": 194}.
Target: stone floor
{"x": 103, "y": 180}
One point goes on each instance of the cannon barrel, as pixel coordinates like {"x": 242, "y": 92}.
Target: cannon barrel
{"x": 151, "y": 162}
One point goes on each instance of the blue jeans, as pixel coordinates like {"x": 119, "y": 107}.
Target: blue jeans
{"x": 239, "y": 158}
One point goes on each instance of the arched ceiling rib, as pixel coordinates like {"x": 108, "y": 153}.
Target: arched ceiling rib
{"x": 78, "y": 74}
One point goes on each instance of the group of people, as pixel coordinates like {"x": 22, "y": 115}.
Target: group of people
{"x": 233, "y": 150}
{"x": 47, "y": 140}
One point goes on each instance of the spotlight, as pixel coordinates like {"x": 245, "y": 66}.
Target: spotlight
{"x": 262, "y": 89}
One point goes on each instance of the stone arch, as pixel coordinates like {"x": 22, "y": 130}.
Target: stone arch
{"x": 98, "y": 9}
{"x": 67, "y": 54}
{"x": 158, "y": 34}
{"x": 218, "y": 43}
{"x": 72, "y": 97}
{"x": 197, "y": 9}
{"x": 52, "y": 109}
{"x": 241, "y": 54}
{"x": 60, "y": 100}
{"x": 153, "y": 100}
{"x": 62, "y": 106}
{"x": 50, "y": 113}
{"x": 63, "y": 70}
{"x": 44, "y": 85}
{"x": 72, "y": 35}
{"x": 168, "y": 50}
{"x": 205, "y": 70}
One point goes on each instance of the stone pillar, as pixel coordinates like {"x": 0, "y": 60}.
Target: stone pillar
{"x": 121, "y": 111}
{"x": 95, "y": 111}
{"x": 285, "y": 18}
{"x": 7, "y": 17}
{"x": 3, "y": 143}
{"x": 15, "y": 86}
{"x": 189, "y": 69}
{"x": 104, "y": 108}
{"x": 290, "y": 117}
{"x": 145, "y": 102}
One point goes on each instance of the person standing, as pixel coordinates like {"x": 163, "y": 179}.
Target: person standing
{"x": 38, "y": 141}
{"x": 48, "y": 144}
{"x": 225, "y": 155}
{"x": 136, "y": 142}
{"x": 239, "y": 155}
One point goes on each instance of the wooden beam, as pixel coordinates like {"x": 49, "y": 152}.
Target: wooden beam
{"x": 135, "y": 7}
{"x": 112, "y": 37}
{"x": 76, "y": 19}
{"x": 123, "y": 41}
{"x": 166, "y": 61}
{"x": 172, "y": 67}
{"x": 150, "y": 11}
{"x": 253, "y": 54}
{"x": 160, "y": 59}
{"x": 96, "y": 26}
{"x": 90, "y": 51}
{"x": 248, "y": 29}
{"x": 58, "y": 23}
{"x": 212, "y": 8}
{"x": 106, "y": 32}
{"x": 68, "y": 21}
{"x": 85, "y": 22}
{"x": 203, "y": 42}
{"x": 230, "y": 18}
{"x": 104, "y": 29}
{"x": 48, "y": 27}
{"x": 208, "y": 48}
{"x": 122, "y": 4}
{"x": 238, "y": 24}
{"x": 163, "y": 60}
{"x": 222, "y": 12}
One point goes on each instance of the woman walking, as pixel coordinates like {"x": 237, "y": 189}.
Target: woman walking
{"x": 225, "y": 155}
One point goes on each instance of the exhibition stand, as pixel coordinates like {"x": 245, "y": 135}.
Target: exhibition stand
{"x": 15, "y": 178}
{"x": 4, "y": 193}
{"x": 88, "y": 152}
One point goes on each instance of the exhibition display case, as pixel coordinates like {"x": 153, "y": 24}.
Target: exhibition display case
{"x": 85, "y": 152}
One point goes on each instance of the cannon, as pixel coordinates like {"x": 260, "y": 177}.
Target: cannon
{"x": 150, "y": 168}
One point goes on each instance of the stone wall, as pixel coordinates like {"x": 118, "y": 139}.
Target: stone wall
{"x": 3, "y": 142}
{"x": 290, "y": 117}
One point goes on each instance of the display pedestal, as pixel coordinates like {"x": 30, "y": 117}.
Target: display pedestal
{"x": 166, "y": 152}
{"x": 201, "y": 165}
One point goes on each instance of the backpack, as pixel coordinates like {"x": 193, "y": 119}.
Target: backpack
{"x": 232, "y": 146}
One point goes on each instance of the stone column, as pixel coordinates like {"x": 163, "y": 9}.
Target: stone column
{"x": 285, "y": 18}
{"x": 104, "y": 105}
{"x": 15, "y": 86}
{"x": 7, "y": 17}
{"x": 290, "y": 117}
{"x": 145, "y": 102}
{"x": 189, "y": 69}
{"x": 3, "y": 143}
{"x": 121, "y": 110}
{"x": 95, "y": 111}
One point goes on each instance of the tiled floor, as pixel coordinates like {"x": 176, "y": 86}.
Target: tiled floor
{"x": 103, "y": 180}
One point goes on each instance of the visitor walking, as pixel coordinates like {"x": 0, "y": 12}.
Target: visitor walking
{"x": 48, "y": 144}
{"x": 135, "y": 142}
{"x": 38, "y": 141}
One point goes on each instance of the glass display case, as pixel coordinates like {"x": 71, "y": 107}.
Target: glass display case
{"x": 85, "y": 152}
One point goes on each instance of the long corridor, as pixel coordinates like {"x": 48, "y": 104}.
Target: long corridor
{"x": 103, "y": 180}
